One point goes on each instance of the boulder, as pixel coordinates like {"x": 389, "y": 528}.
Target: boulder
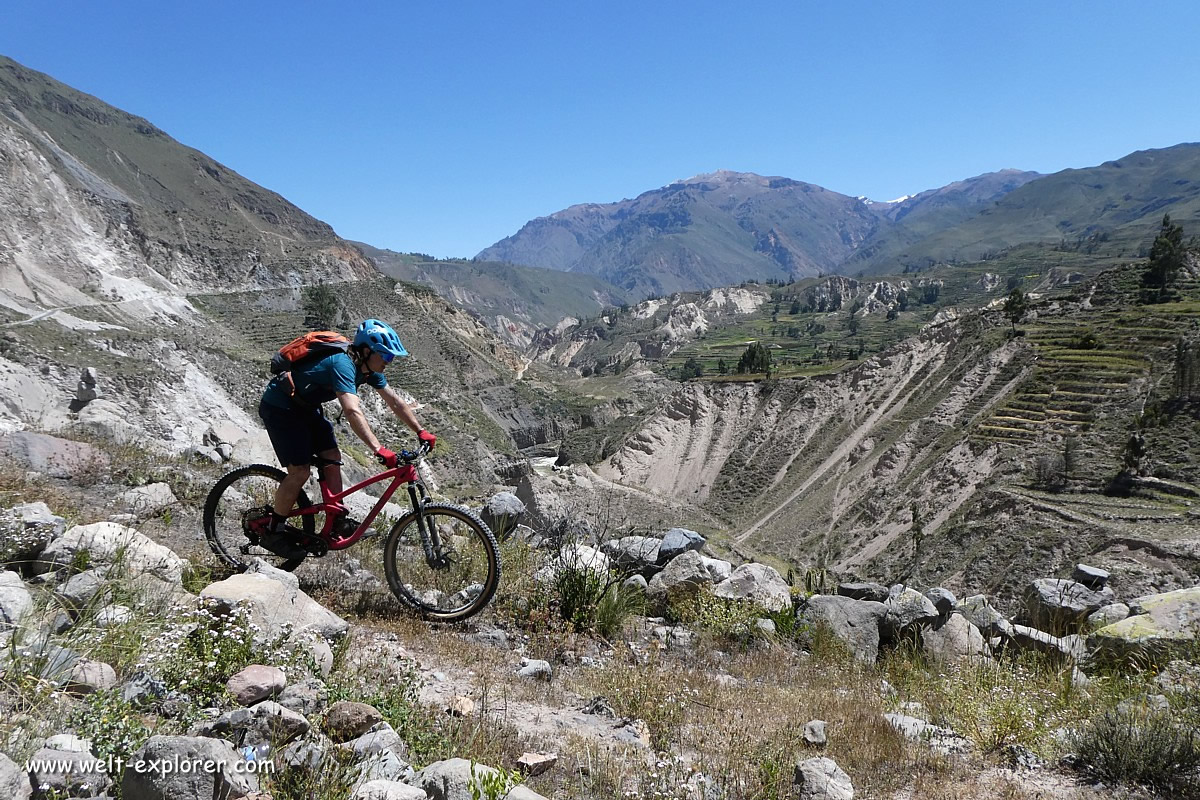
{"x": 78, "y": 592}
{"x": 854, "y": 622}
{"x": 387, "y": 790}
{"x": 255, "y": 683}
{"x": 81, "y": 779}
{"x": 107, "y": 543}
{"x": 109, "y": 421}
{"x": 50, "y": 455}
{"x": 451, "y": 780}
{"x": 943, "y": 600}
{"x": 379, "y": 738}
{"x": 719, "y": 569}
{"x": 14, "y": 781}
{"x": 952, "y": 637}
{"x": 348, "y": 720}
{"x": 273, "y": 600}
{"x": 682, "y": 576}
{"x": 1092, "y": 577}
{"x": 633, "y": 553}
{"x": 1032, "y": 639}
{"x": 677, "y": 541}
{"x": 940, "y": 740}
{"x": 876, "y": 592}
{"x": 1061, "y": 606}
{"x": 89, "y": 676}
{"x": 1159, "y": 626}
{"x": 502, "y": 513}
{"x": 220, "y": 780}
{"x": 535, "y": 668}
{"x": 822, "y": 779}
{"x": 979, "y": 611}
{"x": 25, "y": 530}
{"x": 758, "y": 583}
{"x": 814, "y": 733}
{"x": 1107, "y": 615}
{"x": 307, "y": 697}
{"x": 149, "y": 500}
{"x": 906, "y": 611}
{"x": 264, "y": 723}
{"x": 15, "y": 600}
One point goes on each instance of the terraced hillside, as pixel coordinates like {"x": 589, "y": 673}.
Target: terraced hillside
{"x": 958, "y": 452}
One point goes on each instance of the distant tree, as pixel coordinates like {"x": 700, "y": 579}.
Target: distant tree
{"x": 852, "y": 323}
{"x": 892, "y": 313}
{"x": 1015, "y": 307}
{"x": 1187, "y": 368}
{"x": 691, "y": 369}
{"x": 321, "y": 307}
{"x": 1070, "y": 455}
{"x": 902, "y": 300}
{"x": 930, "y": 294}
{"x": 757, "y": 358}
{"x": 795, "y": 309}
{"x": 1167, "y": 256}
{"x": 722, "y": 368}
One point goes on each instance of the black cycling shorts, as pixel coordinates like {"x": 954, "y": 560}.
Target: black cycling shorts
{"x": 296, "y": 434}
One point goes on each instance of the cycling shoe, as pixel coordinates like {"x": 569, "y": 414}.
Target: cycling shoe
{"x": 284, "y": 543}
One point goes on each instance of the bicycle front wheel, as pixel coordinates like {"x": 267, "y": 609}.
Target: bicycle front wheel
{"x": 238, "y": 507}
{"x": 448, "y": 574}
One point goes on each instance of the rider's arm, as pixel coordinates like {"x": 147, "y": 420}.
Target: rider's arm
{"x": 399, "y": 408}
{"x": 354, "y": 415}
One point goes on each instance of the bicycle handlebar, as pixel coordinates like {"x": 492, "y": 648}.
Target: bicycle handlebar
{"x": 410, "y": 456}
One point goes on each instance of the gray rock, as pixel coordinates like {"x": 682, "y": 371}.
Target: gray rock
{"x": 50, "y": 455}
{"x": 264, "y": 723}
{"x": 109, "y": 544}
{"x": 78, "y": 592}
{"x": 1180, "y": 677}
{"x": 69, "y": 743}
{"x": 380, "y": 738}
{"x": 307, "y": 697}
{"x": 759, "y": 584}
{"x": 1159, "y": 626}
{"x": 90, "y": 676}
{"x": 81, "y": 779}
{"x": 381, "y": 789}
{"x": 906, "y": 610}
{"x": 111, "y": 616}
{"x": 489, "y": 635}
{"x": 676, "y": 639}
{"x": 876, "y": 592}
{"x": 979, "y": 611}
{"x": 274, "y": 600}
{"x": 536, "y": 669}
{"x": 149, "y": 500}
{"x": 952, "y": 637}
{"x": 502, "y": 513}
{"x": 855, "y": 622}
{"x": 25, "y": 530}
{"x": 681, "y": 577}
{"x": 1092, "y": 577}
{"x": 196, "y": 784}
{"x": 1060, "y": 606}
{"x": 14, "y": 781}
{"x": 822, "y": 779}
{"x": 940, "y": 740}
{"x": 719, "y": 569}
{"x": 451, "y": 780}
{"x": 635, "y": 583}
{"x": 225, "y": 451}
{"x": 15, "y": 600}
{"x": 943, "y": 600}
{"x": 633, "y": 553}
{"x": 1113, "y": 612}
{"x": 814, "y": 733}
{"x": 677, "y": 541}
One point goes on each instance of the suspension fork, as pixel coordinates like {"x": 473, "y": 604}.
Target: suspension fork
{"x": 430, "y": 542}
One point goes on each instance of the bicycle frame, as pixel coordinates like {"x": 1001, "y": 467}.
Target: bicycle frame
{"x": 403, "y": 475}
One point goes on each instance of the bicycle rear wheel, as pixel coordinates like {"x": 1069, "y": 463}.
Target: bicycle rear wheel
{"x": 237, "y": 508}
{"x": 460, "y": 579}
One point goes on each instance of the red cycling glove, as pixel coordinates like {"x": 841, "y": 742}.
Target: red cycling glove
{"x": 387, "y": 457}
{"x": 427, "y": 438}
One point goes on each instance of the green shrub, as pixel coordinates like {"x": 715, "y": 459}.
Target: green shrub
{"x": 722, "y": 617}
{"x": 615, "y": 608}
{"x": 112, "y": 725}
{"x": 1138, "y": 746}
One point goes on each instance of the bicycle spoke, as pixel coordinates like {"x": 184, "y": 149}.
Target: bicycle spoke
{"x": 237, "y": 509}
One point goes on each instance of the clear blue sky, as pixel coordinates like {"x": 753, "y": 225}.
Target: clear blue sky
{"x": 441, "y": 127}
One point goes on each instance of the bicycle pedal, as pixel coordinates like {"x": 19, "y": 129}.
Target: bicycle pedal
{"x": 345, "y": 525}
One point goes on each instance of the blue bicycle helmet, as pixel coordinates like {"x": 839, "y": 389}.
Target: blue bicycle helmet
{"x": 380, "y": 337}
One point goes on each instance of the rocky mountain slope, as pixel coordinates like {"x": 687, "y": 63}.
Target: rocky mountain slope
{"x": 103, "y": 207}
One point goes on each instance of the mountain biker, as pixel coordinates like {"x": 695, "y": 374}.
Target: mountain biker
{"x": 298, "y": 428}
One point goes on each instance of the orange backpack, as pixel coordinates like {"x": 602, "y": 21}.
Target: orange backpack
{"x": 307, "y": 348}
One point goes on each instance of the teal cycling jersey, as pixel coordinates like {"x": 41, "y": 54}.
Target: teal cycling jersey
{"x": 320, "y": 382}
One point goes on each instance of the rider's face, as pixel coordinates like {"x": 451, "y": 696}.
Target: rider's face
{"x": 375, "y": 362}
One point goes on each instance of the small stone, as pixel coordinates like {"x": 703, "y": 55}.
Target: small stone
{"x": 943, "y": 600}
{"x": 347, "y": 720}
{"x": 1093, "y": 578}
{"x": 256, "y": 683}
{"x": 814, "y": 733}
{"x": 461, "y": 706}
{"x": 90, "y": 676}
{"x": 822, "y": 778}
{"x": 536, "y": 669}
{"x": 536, "y": 763}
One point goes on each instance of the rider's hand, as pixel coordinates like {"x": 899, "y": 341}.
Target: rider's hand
{"x": 427, "y": 438}
{"x": 387, "y": 457}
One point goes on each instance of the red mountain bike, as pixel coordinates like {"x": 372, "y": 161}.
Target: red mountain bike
{"x": 440, "y": 559}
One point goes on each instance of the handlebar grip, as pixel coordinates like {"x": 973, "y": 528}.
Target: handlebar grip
{"x": 408, "y": 455}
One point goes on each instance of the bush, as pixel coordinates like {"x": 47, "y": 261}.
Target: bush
{"x": 1138, "y": 746}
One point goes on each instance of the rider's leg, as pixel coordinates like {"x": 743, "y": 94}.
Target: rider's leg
{"x": 333, "y": 472}
{"x": 289, "y": 489}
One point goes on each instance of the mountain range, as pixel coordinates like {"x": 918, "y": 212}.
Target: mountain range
{"x": 725, "y": 227}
